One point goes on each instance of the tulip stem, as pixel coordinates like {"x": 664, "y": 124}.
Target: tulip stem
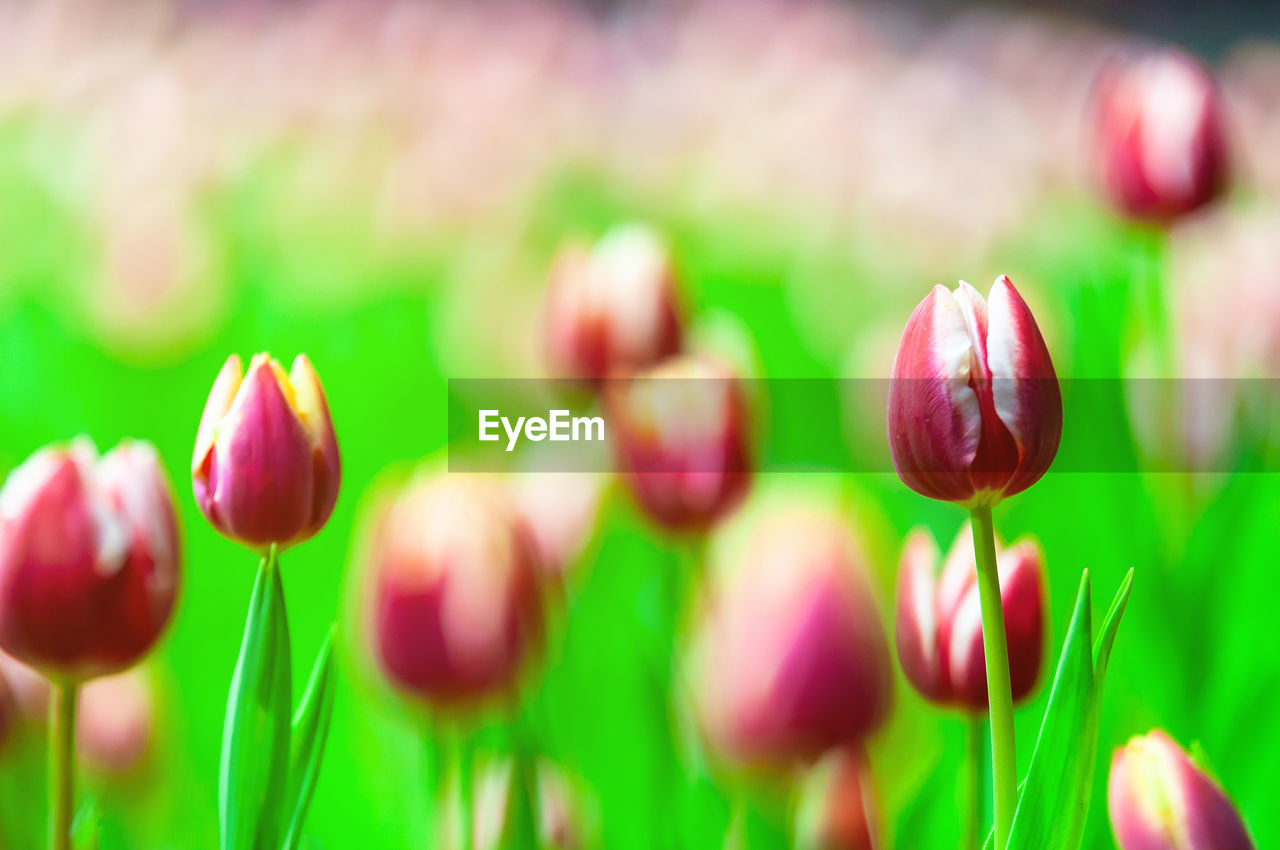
{"x": 1004, "y": 765}
{"x": 973, "y": 727}
{"x": 62, "y": 749}
{"x": 464, "y": 775}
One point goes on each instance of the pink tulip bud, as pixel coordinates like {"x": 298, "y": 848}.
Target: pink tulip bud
{"x": 89, "y": 559}
{"x": 113, "y": 727}
{"x": 939, "y": 628}
{"x": 1160, "y": 800}
{"x": 975, "y": 413}
{"x": 559, "y": 509}
{"x": 839, "y": 810}
{"x": 266, "y": 466}
{"x": 456, "y": 609}
{"x": 681, "y": 436}
{"x": 612, "y": 310}
{"x": 1160, "y": 147}
{"x": 791, "y": 658}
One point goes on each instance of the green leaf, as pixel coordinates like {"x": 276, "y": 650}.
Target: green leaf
{"x": 86, "y": 825}
{"x": 1055, "y": 797}
{"x": 310, "y": 730}
{"x": 255, "y": 736}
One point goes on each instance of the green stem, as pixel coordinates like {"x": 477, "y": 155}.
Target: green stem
{"x": 999, "y": 692}
{"x": 464, "y": 775}
{"x": 62, "y": 762}
{"x": 973, "y": 727}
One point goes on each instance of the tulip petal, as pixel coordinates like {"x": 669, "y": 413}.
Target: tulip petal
{"x": 219, "y": 402}
{"x": 934, "y": 418}
{"x": 1027, "y": 398}
{"x": 313, "y": 410}
{"x": 916, "y": 630}
{"x": 1022, "y": 600}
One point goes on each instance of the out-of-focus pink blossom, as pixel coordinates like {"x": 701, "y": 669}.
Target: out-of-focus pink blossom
{"x": 975, "y": 412}
{"x": 612, "y": 309}
{"x": 557, "y": 808}
{"x": 90, "y": 559}
{"x": 939, "y": 626}
{"x": 559, "y": 510}
{"x": 455, "y": 606}
{"x": 114, "y": 723}
{"x": 1160, "y": 800}
{"x": 790, "y": 658}
{"x": 266, "y": 467}
{"x": 1160, "y": 143}
{"x": 681, "y": 434}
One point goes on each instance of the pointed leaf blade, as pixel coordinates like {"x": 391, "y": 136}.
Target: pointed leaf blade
{"x": 310, "y": 731}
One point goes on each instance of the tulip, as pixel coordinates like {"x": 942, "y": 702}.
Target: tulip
{"x": 680, "y": 434}
{"x": 89, "y": 559}
{"x": 266, "y": 466}
{"x": 455, "y": 605}
{"x": 1160, "y": 149}
{"x": 975, "y": 413}
{"x": 9, "y": 710}
{"x": 790, "y": 659}
{"x": 113, "y": 729}
{"x": 1160, "y": 800}
{"x": 612, "y": 309}
{"x": 839, "y": 811}
{"x": 939, "y": 628}
{"x": 559, "y": 509}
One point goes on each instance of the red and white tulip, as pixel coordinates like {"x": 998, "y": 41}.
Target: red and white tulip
{"x": 90, "y": 559}
{"x": 975, "y": 411}
{"x": 1159, "y": 799}
{"x": 266, "y": 467}
{"x": 939, "y": 626}
{"x": 455, "y": 606}
{"x": 1160, "y": 147}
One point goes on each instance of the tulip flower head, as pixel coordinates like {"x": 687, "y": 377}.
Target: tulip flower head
{"x": 975, "y": 411}
{"x": 1159, "y": 799}
{"x": 89, "y": 559}
{"x": 939, "y": 627}
{"x": 612, "y": 309}
{"x": 1160, "y": 147}
{"x": 791, "y": 657}
{"x": 455, "y": 604}
{"x": 266, "y": 466}
{"x": 681, "y": 436}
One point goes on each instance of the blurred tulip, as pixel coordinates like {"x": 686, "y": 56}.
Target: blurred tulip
{"x": 839, "y": 809}
{"x": 791, "y": 658}
{"x": 975, "y": 412}
{"x": 559, "y": 509}
{"x": 681, "y": 434}
{"x": 494, "y": 810}
{"x": 456, "y": 608}
{"x": 612, "y": 310}
{"x": 266, "y": 466}
{"x": 1160, "y": 800}
{"x": 1160, "y": 146}
{"x": 89, "y": 559}
{"x": 113, "y": 728}
{"x": 939, "y": 627}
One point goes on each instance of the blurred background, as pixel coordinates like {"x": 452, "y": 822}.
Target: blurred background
{"x": 384, "y": 186}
